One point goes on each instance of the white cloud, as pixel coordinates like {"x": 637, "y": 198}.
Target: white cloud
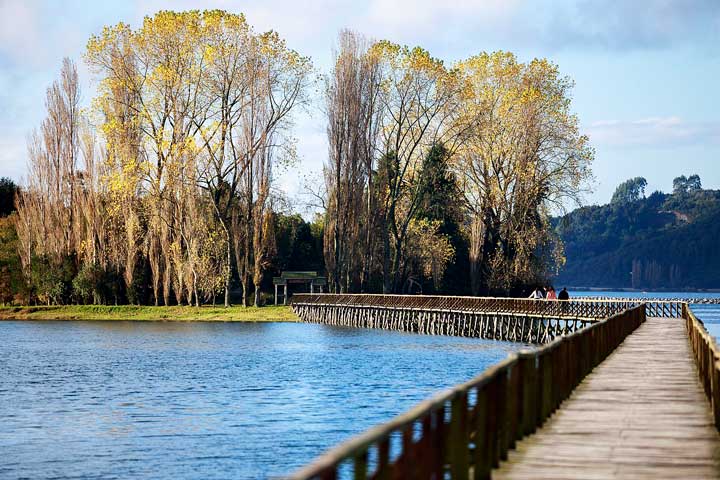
{"x": 653, "y": 132}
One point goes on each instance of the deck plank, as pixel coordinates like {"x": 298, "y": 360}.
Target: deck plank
{"x": 639, "y": 414}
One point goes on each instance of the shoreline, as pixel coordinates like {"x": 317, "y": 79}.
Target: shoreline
{"x": 280, "y": 313}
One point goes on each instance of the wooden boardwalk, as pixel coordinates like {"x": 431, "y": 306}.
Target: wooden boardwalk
{"x": 639, "y": 414}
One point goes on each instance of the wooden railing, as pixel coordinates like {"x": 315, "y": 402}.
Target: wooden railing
{"x": 662, "y": 308}
{"x": 688, "y": 300}
{"x": 511, "y": 327}
{"x": 471, "y": 427}
{"x": 707, "y": 359}
{"x": 580, "y": 309}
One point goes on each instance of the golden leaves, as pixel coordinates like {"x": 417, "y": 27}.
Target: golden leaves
{"x": 431, "y": 249}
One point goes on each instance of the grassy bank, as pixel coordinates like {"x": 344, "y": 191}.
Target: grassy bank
{"x": 144, "y": 313}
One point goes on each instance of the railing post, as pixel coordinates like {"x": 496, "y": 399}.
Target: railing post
{"x": 492, "y": 425}
{"x": 383, "y": 468}
{"x": 503, "y": 413}
{"x": 458, "y": 438}
{"x": 438, "y": 449}
{"x": 546, "y": 387}
{"x": 427, "y": 445}
{"x": 716, "y": 393}
{"x": 529, "y": 398}
{"x": 408, "y": 462}
{"x": 360, "y": 466}
{"x": 514, "y": 401}
{"x": 482, "y": 452}
{"x": 329, "y": 474}
{"x": 708, "y": 367}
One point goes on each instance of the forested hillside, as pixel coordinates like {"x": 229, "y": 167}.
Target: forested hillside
{"x": 662, "y": 241}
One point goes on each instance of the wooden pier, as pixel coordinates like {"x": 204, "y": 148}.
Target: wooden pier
{"x": 511, "y": 327}
{"x": 507, "y": 319}
{"x": 642, "y": 413}
{"x": 629, "y": 395}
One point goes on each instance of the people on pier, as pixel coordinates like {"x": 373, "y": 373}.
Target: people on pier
{"x": 563, "y": 295}
{"x": 537, "y": 294}
{"x": 551, "y": 295}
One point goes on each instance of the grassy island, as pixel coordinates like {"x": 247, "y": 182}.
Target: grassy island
{"x": 147, "y": 313}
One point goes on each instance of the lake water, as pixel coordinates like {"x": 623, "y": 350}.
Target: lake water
{"x": 709, "y": 314}
{"x": 86, "y": 400}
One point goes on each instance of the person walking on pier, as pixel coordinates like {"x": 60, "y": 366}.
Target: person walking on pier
{"x": 551, "y": 295}
{"x": 537, "y": 294}
{"x": 563, "y": 295}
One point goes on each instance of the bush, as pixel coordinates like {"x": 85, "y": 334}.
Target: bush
{"x": 47, "y": 280}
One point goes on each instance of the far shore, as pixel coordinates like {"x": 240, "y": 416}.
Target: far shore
{"x": 643, "y": 290}
{"x": 279, "y": 313}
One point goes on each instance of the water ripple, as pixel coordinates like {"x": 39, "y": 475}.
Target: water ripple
{"x": 176, "y": 401}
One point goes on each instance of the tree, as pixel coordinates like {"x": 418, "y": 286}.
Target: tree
{"x": 630, "y": 191}
{"x": 442, "y": 205}
{"x": 417, "y": 98}
{"x": 299, "y": 243}
{"x": 51, "y": 223}
{"x": 504, "y": 130}
{"x": 13, "y": 287}
{"x": 693, "y": 183}
{"x": 680, "y": 184}
{"x": 193, "y": 101}
{"x": 432, "y": 171}
{"x": 123, "y": 207}
{"x": 8, "y": 190}
{"x": 683, "y": 184}
{"x": 351, "y": 101}
{"x": 254, "y": 84}
{"x": 521, "y": 155}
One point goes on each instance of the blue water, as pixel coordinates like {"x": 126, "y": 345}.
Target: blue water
{"x": 709, "y": 314}
{"x": 87, "y": 400}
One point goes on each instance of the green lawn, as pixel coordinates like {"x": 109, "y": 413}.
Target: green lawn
{"x": 143, "y": 313}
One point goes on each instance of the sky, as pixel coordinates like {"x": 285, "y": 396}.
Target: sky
{"x": 646, "y": 71}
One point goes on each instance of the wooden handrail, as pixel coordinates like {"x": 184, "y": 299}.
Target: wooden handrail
{"x": 472, "y": 425}
{"x": 576, "y": 308}
{"x": 707, "y": 359}
{"x": 688, "y": 300}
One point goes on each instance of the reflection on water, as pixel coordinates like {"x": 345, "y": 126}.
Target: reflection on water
{"x": 207, "y": 400}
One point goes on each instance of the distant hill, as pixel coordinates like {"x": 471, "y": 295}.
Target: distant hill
{"x": 664, "y": 241}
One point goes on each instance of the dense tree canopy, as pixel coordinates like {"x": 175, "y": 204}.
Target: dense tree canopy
{"x": 438, "y": 178}
{"x": 173, "y": 189}
{"x": 8, "y": 190}
{"x": 683, "y": 184}
{"x": 630, "y": 191}
{"x": 491, "y": 140}
{"x": 523, "y": 154}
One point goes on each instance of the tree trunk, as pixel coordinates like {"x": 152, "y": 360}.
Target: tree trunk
{"x": 245, "y": 291}
{"x": 387, "y": 283}
{"x": 475, "y": 254}
{"x": 396, "y": 271}
{"x": 228, "y": 259}
{"x": 195, "y": 290}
